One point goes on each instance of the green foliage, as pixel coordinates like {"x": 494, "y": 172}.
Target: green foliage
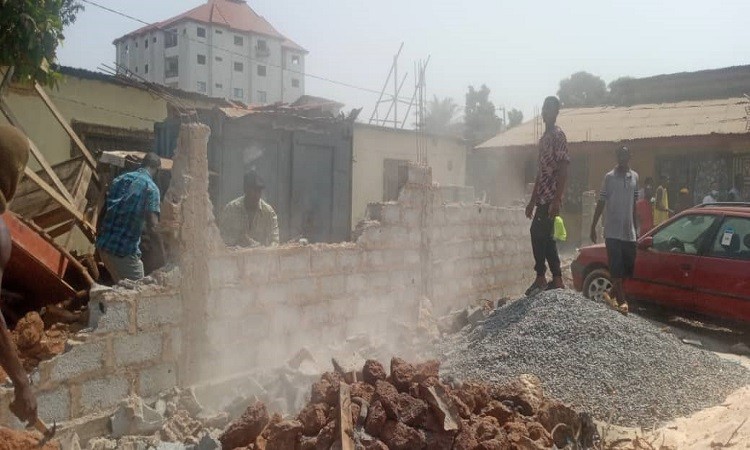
{"x": 30, "y": 31}
{"x": 481, "y": 120}
{"x": 621, "y": 91}
{"x": 582, "y": 89}
{"x": 515, "y": 117}
{"x": 440, "y": 115}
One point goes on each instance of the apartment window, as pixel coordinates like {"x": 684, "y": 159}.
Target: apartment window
{"x": 261, "y": 71}
{"x": 145, "y": 69}
{"x": 239, "y": 67}
{"x": 219, "y": 59}
{"x": 261, "y": 48}
{"x": 126, "y": 49}
{"x": 218, "y": 32}
{"x": 295, "y": 82}
{"x": 201, "y": 86}
{"x": 136, "y": 44}
{"x": 202, "y": 60}
{"x": 262, "y": 97}
{"x": 219, "y": 86}
{"x": 154, "y": 40}
{"x": 295, "y": 60}
{"x": 171, "y": 67}
{"x": 201, "y": 32}
{"x": 173, "y": 85}
{"x": 145, "y": 43}
{"x": 239, "y": 93}
{"x": 170, "y": 38}
{"x": 136, "y": 69}
{"x": 239, "y": 40}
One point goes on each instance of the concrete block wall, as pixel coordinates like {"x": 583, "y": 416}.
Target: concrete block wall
{"x": 133, "y": 348}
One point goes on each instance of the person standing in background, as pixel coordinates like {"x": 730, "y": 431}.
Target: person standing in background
{"x": 683, "y": 201}
{"x": 546, "y": 199}
{"x": 713, "y": 193}
{"x": 661, "y": 204}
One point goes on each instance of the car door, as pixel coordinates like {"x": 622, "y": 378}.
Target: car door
{"x": 664, "y": 272}
{"x": 722, "y": 278}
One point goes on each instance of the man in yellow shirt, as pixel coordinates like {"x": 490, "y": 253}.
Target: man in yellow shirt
{"x": 661, "y": 204}
{"x": 248, "y": 221}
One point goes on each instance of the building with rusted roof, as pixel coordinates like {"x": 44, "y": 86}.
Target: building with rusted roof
{"x": 694, "y": 142}
{"x": 223, "y": 49}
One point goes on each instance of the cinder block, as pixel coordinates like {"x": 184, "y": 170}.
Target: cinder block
{"x": 157, "y": 379}
{"x": 54, "y": 406}
{"x": 412, "y": 217}
{"x": 270, "y": 295}
{"x": 348, "y": 260}
{"x": 331, "y": 286}
{"x": 223, "y": 270}
{"x": 137, "y": 348}
{"x": 374, "y": 259}
{"x": 154, "y": 312}
{"x": 294, "y": 263}
{"x": 356, "y": 283}
{"x": 300, "y": 290}
{"x": 323, "y": 260}
{"x": 108, "y": 315}
{"x": 259, "y": 265}
{"x": 80, "y": 359}
{"x": 391, "y": 213}
{"x": 103, "y": 393}
{"x": 411, "y": 257}
{"x": 232, "y": 301}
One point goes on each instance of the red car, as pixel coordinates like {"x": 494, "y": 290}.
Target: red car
{"x": 697, "y": 261}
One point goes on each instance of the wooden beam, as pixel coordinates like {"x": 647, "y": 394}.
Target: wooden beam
{"x": 81, "y": 146}
{"x": 36, "y": 153}
{"x": 346, "y": 427}
{"x": 85, "y": 226}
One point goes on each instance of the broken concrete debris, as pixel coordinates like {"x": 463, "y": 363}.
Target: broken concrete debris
{"x": 410, "y": 408}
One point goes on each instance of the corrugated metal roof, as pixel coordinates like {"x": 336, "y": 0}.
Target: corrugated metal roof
{"x": 614, "y": 124}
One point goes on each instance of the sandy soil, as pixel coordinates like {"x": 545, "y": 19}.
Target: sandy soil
{"x": 723, "y": 426}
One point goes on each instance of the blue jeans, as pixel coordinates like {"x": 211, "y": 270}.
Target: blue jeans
{"x": 122, "y": 267}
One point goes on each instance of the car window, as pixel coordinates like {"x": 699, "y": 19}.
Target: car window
{"x": 684, "y": 235}
{"x": 733, "y": 239}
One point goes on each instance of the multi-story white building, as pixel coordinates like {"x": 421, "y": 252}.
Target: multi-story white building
{"x": 222, "y": 49}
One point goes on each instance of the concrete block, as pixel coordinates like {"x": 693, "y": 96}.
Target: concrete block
{"x": 134, "y": 417}
{"x": 80, "y": 359}
{"x": 300, "y": 290}
{"x": 154, "y": 312}
{"x": 356, "y": 283}
{"x": 172, "y": 344}
{"x": 137, "y": 348}
{"x": 349, "y": 260}
{"x": 259, "y": 265}
{"x": 110, "y": 316}
{"x": 270, "y": 295}
{"x": 157, "y": 379}
{"x": 54, "y": 406}
{"x": 223, "y": 270}
{"x": 230, "y": 302}
{"x": 294, "y": 262}
{"x": 374, "y": 259}
{"x": 412, "y": 217}
{"x": 411, "y": 257}
{"x": 391, "y": 213}
{"x": 332, "y": 286}
{"x": 103, "y": 393}
{"x": 323, "y": 261}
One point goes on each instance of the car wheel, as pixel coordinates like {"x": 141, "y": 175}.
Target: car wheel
{"x": 596, "y": 284}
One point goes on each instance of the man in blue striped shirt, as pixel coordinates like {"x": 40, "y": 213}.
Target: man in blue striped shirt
{"x": 132, "y": 204}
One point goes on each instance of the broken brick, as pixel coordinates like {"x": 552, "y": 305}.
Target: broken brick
{"x": 475, "y": 395}
{"x": 313, "y": 418}
{"x": 373, "y": 371}
{"x": 399, "y": 436}
{"x": 376, "y": 419}
{"x": 498, "y": 410}
{"x": 283, "y": 435}
{"x": 363, "y": 390}
{"x": 402, "y": 374}
{"x": 388, "y": 396}
{"x": 246, "y": 429}
{"x": 525, "y": 392}
{"x": 426, "y": 370}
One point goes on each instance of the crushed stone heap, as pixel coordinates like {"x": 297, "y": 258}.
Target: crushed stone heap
{"x": 411, "y": 409}
{"x": 622, "y": 369}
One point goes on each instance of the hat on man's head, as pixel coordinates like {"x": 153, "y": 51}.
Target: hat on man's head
{"x": 14, "y": 154}
{"x": 253, "y": 180}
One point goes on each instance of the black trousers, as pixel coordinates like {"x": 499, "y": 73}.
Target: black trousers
{"x": 543, "y": 244}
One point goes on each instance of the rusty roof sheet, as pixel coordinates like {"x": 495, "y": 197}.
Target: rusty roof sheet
{"x": 614, "y": 124}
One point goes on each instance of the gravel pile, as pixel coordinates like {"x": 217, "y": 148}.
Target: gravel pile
{"x": 621, "y": 369}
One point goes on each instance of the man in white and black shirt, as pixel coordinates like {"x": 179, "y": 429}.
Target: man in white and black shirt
{"x": 619, "y": 194}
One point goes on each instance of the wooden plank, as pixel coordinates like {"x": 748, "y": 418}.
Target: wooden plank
{"x": 85, "y": 226}
{"x": 36, "y": 153}
{"x": 346, "y": 427}
{"x": 80, "y": 201}
{"x": 81, "y": 146}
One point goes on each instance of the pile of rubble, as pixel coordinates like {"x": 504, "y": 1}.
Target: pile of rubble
{"x": 35, "y": 343}
{"x": 412, "y": 409}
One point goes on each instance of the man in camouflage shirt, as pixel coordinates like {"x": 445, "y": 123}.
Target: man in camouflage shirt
{"x": 248, "y": 221}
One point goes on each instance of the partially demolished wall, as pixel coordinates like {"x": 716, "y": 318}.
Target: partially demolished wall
{"x": 233, "y": 311}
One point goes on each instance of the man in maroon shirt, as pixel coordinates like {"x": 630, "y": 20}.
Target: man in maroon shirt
{"x": 546, "y": 199}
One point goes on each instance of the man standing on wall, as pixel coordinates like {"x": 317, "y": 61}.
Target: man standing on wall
{"x": 14, "y": 153}
{"x": 248, "y": 221}
{"x": 546, "y": 199}
{"x": 619, "y": 194}
{"x": 661, "y": 205}
{"x": 133, "y": 203}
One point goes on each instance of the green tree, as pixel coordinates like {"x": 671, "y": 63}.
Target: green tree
{"x": 30, "y": 31}
{"x": 515, "y": 117}
{"x": 621, "y": 91}
{"x": 480, "y": 117}
{"x": 582, "y": 89}
{"x": 440, "y": 115}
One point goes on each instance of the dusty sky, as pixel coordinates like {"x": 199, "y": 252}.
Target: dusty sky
{"x": 520, "y": 49}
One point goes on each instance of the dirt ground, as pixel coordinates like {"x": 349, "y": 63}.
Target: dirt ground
{"x": 723, "y": 426}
